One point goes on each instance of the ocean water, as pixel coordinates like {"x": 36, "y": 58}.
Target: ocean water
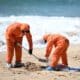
{"x": 43, "y": 16}
{"x": 69, "y": 8}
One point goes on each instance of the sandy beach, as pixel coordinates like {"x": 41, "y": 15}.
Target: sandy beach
{"x": 24, "y": 74}
{"x": 43, "y": 16}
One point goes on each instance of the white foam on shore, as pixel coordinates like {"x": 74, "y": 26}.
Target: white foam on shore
{"x": 67, "y": 26}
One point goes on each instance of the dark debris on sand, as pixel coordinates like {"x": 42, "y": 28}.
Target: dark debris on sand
{"x": 30, "y": 66}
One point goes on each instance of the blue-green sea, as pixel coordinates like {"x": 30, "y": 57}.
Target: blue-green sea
{"x": 69, "y": 8}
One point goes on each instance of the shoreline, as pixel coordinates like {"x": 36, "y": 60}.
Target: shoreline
{"x": 22, "y": 74}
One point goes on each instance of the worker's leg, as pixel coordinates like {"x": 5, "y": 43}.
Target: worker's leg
{"x": 64, "y": 54}
{"x": 64, "y": 59}
{"x": 18, "y": 52}
{"x": 10, "y": 51}
{"x": 56, "y": 56}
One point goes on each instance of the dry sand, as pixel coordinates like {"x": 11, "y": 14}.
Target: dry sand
{"x": 23, "y": 74}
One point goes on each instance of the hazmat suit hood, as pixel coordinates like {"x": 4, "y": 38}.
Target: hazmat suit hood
{"x": 45, "y": 37}
{"x": 25, "y": 27}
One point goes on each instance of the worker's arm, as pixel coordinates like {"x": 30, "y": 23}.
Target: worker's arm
{"x": 29, "y": 38}
{"x": 49, "y": 48}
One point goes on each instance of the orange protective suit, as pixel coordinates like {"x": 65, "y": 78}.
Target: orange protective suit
{"x": 61, "y": 44}
{"x": 15, "y": 35}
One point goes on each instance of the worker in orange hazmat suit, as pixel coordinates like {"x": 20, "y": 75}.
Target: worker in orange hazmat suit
{"x": 60, "y": 43}
{"x": 14, "y": 35}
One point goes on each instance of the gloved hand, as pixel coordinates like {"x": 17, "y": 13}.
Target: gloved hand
{"x": 30, "y": 51}
{"x": 15, "y": 43}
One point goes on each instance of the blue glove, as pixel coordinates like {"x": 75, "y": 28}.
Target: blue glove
{"x": 30, "y": 51}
